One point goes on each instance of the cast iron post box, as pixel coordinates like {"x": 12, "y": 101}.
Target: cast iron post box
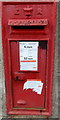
{"x": 28, "y": 35}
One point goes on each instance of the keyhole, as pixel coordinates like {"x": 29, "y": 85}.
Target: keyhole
{"x": 17, "y": 77}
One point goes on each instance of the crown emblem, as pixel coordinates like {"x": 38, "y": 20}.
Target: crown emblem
{"x": 28, "y": 11}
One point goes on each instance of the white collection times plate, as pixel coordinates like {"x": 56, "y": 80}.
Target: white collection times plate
{"x": 28, "y": 52}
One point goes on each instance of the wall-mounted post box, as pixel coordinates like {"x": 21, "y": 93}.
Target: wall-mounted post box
{"x": 28, "y": 30}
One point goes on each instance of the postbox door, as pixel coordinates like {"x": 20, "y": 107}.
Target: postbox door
{"x": 28, "y": 63}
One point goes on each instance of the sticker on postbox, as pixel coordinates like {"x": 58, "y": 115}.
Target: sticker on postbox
{"x": 35, "y": 85}
{"x": 28, "y": 56}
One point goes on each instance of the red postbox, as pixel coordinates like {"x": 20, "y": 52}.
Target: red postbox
{"x": 28, "y": 35}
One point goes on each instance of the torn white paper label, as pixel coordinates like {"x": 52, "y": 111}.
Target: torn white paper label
{"x": 36, "y": 86}
{"x": 28, "y": 55}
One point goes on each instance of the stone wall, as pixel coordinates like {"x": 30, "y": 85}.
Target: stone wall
{"x": 59, "y": 58}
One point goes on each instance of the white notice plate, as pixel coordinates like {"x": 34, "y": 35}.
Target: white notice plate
{"x": 28, "y": 56}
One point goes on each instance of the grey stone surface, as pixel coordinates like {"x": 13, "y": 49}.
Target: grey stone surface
{"x": 59, "y": 58}
{"x": 0, "y": 70}
{"x": 55, "y": 81}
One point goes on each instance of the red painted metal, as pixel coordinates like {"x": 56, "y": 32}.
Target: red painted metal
{"x": 28, "y": 21}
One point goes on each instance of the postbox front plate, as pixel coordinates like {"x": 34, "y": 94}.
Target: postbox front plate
{"x": 28, "y": 41}
{"x": 29, "y": 74}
